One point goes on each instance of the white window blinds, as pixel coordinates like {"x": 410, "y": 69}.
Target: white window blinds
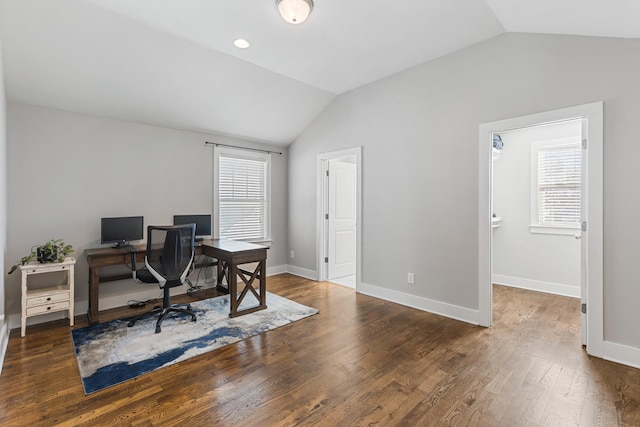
{"x": 242, "y": 197}
{"x": 559, "y": 181}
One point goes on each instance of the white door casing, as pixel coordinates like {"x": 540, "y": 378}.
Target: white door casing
{"x": 592, "y": 203}
{"x": 341, "y": 250}
{"x": 584, "y": 253}
{"x": 322, "y": 160}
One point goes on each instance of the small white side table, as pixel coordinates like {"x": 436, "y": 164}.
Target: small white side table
{"x": 47, "y": 299}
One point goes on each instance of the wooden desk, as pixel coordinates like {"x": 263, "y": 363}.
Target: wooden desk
{"x": 229, "y": 253}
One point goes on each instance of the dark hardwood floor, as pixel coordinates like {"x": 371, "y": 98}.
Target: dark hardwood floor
{"x": 359, "y": 362}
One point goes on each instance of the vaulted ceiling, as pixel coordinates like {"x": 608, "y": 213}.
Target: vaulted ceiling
{"x": 173, "y": 63}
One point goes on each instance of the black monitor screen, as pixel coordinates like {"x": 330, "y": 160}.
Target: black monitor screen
{"x": 121, "y": 230}
{"x": 202, "y": 222}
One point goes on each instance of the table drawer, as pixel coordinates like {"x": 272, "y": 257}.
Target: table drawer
{"x": 48, "y": 299}
{"x": 62, "y": 305}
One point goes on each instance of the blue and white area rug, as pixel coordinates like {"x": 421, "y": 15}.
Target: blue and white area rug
{"x": 111, "y": 353}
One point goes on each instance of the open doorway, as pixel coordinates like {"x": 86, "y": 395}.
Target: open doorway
{"x": 536, "y": 198}
{"x": 338, "y": 218}
{"x": 591, "y": 256}
{"x": 536, "y": 190}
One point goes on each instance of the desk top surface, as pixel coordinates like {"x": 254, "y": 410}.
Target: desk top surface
{"x": 232, "y": 245}
{"x": 222, "y": 244}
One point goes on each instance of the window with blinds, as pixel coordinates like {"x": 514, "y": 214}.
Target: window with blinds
{"x": 558, "y": 184}
{"x": 242, "y": 195}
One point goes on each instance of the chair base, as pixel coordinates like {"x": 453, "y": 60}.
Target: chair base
{"x": 164, "y": 311}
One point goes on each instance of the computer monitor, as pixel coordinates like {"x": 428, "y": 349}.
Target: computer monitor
{"x": 121, "y": 230}
{"x": 202, "y": 222}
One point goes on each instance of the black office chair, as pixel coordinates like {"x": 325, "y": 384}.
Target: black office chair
{"x": 170, "y": 251}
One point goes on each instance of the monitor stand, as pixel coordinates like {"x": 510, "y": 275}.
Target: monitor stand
{"x": 122, "y": 245}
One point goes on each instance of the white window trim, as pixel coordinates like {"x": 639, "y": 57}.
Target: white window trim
{"x": 242, "y": 154}
{"x": 534, "y": 225}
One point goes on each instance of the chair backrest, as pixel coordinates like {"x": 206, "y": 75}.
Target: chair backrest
{"x": 170, "y": 250}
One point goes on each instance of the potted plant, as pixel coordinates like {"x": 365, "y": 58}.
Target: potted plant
{"x": 51, "y": 251}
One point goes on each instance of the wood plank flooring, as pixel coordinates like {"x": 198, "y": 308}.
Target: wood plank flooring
{"x": 360, "y": 362}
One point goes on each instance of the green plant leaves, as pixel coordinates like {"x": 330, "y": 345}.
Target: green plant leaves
{"x": 54, "y": 250}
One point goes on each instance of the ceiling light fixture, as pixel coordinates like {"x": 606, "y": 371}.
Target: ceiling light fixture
{"x": 294, "y": 11}
{"x": 241, "y": 43}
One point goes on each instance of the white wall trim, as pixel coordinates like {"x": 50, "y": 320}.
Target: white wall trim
{"x": 4, "y": 339}
{"x": 302, "y": 272}
{"x": 347, "y": 282}
{"x": 276, "y": 269}
{"x": 425, "y": 304}
{"x": 14, "y": 319}
{"x": 621, "y": 353}
{"x": 537, "y": 285}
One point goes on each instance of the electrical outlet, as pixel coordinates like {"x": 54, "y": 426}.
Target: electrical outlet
{"x": 410, "y": 278}
{"x": 293, "y": 255}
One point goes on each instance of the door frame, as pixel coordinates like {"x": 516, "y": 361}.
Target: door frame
{"x": 592, "y": 238}
{"x": 321, "y": 204}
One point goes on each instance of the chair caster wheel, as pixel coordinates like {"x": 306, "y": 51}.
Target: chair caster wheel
{"x": 158, "y": 329}
{"x": 193, "y": 318}
{"x": 130, "y": 324}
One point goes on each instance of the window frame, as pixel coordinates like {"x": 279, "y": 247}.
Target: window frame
{"x": 534, "y": 225}
{"x": 241, "y": 154}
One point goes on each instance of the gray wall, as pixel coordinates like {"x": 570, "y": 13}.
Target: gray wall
{"x": 419, "y": 132}
{"x": 68, "y": 170}
{"x": 542, "y": 262}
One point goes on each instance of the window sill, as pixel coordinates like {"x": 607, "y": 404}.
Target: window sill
{"x": 546, "y": 229}
{"x": 266, "y": 243}
{"x": 262, "y": 242}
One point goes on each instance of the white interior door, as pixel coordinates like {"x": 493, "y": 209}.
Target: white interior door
{"x": 583, "y": 240}
{"x": 341, "y": 249}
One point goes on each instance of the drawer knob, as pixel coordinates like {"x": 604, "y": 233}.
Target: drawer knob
{"x": 49, "y": 299}
{"x": 48, "y": 308}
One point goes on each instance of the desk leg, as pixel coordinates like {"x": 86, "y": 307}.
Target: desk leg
{"x": 232, "y": 280}
{"x": 248, "y": 278}
{"x": 23, "y": 322}
{"x": 223, "y": 271}
{"x": 263, "y": 283}
{"x": 219, "y": 274}
{"x": 94, "y": 279}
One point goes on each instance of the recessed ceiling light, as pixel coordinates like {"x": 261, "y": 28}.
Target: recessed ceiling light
{"x": 241, "y": 43}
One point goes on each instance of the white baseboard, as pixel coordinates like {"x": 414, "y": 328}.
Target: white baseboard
{"x": 138, "y": 292}
{"x": 537, "y": 285}
{"x": 302, "y": 272}
{"x": 277, "y": 269}
{"x": 614, "y": 352}
{"x": 4, "y": 339}
{"x": 425, "y": 304}
{"x": 622, "y": 354}
{"x": 347, "y": 281}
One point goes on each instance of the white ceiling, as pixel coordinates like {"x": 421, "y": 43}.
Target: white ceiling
{"x": 173, "y": 63}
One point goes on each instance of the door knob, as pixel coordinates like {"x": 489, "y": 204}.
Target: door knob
{"x": 577, "y": 236}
